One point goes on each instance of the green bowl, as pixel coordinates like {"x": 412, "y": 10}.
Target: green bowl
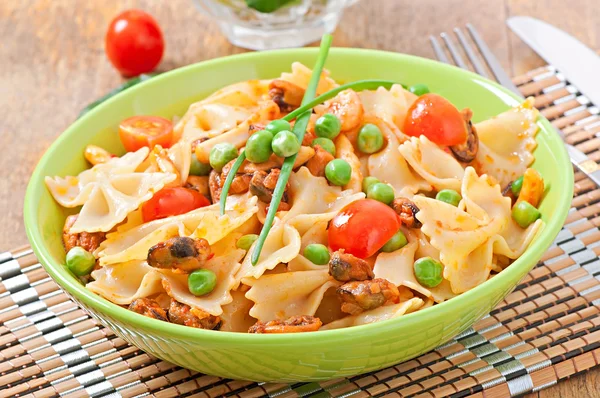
{"x": 291, "y": 357}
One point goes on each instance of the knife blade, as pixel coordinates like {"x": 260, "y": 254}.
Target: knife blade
{"x": 577, "y": 62}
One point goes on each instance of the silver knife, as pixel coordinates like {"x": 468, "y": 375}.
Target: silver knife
{"x": 578, "y": 63}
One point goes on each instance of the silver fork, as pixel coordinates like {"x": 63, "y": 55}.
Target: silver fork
{"x": 578, "y": 158}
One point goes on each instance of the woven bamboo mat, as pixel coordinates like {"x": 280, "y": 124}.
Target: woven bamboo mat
{"x": 547, "y": 330}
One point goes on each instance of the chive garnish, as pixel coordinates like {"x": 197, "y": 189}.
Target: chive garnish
{"x": 299, "y": 129}
{"x": 356, "y": 86}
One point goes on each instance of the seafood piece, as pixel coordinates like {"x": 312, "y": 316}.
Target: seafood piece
{"x": 183, "y": 314}
{"x": 87, "y": 240}
{"x": 359, "y": 296}
{"x": 407, "y": 211}
{"x": 294, "y": 324}
{"x": 263, "y": 184}
{"x": 148, "y": 307}
{"x": 348, "y": 108}
{"x": 467, "y": 151}
{"x": 286, "y": 95}
{"x": 316, "y": 164}
{"x": 345, "y": 267}
{"x": 181, "y": 254}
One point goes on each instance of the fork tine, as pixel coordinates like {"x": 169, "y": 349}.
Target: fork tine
{"x": 455, "y": 55}
{"x": 470, "y": 53}
{"x": 492, "y": 61}
{"x": 437, "y": 49}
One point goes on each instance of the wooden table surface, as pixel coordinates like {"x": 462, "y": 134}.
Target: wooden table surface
{"x": 52, "y": 63}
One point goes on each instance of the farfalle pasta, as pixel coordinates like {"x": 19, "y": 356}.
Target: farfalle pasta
{"x": 394, "y": 203}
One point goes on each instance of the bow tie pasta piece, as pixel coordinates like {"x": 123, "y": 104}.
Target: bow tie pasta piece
{"x": 345, "y": 150}
{"x": 314, "y": 230}
{"x": 506, "y": 159}
{"x": 378, "y": 314}
{"x": 281, "y": 246}
{"x": 313, "y": 195}
{"x": 389, "y": 166}
{"x": 300, "y": 76}
{"x": 397, "y": 267}
{"x": 389, "y": 105}
{"x": 124, "y": 282}
{"x": 465, "y": 235}
{"x": 235, "y": 316}
{"x": 237, "y": 136}
{"x": 281, "y": 296}
{"x": 205, "y": 222}
{"x": 108, "y": 191}
{"x": 436, "y": 166}
{"x": 204, "y": 120}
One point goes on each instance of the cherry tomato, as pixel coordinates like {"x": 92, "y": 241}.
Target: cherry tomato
{"x": 436, "y": 118}
{"x": 140, "y": 131}
{"x": 171, "y": 202}
{"x": 134, "y": 43}
{"x": 363, "y": 227}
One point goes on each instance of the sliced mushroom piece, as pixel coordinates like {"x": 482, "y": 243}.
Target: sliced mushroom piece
{"x": 181, "y": 254}
{"x": 294, "y": 324}
{"x": 359, "y": 296}
{"x": 183, "y": 314}
{"x": 286, "y": 95}
{"x": 148, "y": 307}
{"x": 345, "y": 267}
{"x": 407, "y": 211}
{"x": 467, "y": 151}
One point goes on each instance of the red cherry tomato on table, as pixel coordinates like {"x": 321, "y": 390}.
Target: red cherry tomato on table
{"x": 140, "y": 131}
{"x": 436, "y": 118}
{"x": 363, "y": 227}
{"x": 171, "y": 202}
{"x": 134, "y": 43}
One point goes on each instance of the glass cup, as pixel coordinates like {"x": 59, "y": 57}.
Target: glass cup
{"x": 295, "y": 24}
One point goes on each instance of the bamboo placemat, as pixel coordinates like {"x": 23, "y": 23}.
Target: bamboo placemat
{"x": 547, "y": 330}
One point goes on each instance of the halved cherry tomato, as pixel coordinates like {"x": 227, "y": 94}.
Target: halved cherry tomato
{"x": 140, "y": 131}
{"x": 436, "y": 118}
{"x": 134, "y": 42}
{"x": 171, "y": 202}
{"x": 363, "y": 227}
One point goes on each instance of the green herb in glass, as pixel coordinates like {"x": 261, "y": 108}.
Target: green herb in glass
{"x": 267, "y": 6}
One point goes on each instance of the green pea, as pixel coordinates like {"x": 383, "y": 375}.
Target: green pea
{"x": 324, "y": 143}
{"x": 221, "y": 154}
{"x": 201, "y": 282}
{"x": 338, "y": 172}
{"x": 258, "y": 146}
{"x": 370, "y": 139}
{"x": 285, "y": 143}
{"x": 381, "y": 192}
{"x": 428, "y": 272}
{"x": 419, "y": 89}
{"x": 79, "y": 261}
{"x": 328, "y": 126}
{"x": 317, "y": 254}
{"x": 449, "y": 196}
{"x": 525, "y": 214}
{"x": 398, "y": 241}
{"x": 276, "y": 126}
{"x": 246, "y": 241}
{"x": 198, "y": 168}
{"x": 516, "y": 186}
{"x": 368, "y": 182}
